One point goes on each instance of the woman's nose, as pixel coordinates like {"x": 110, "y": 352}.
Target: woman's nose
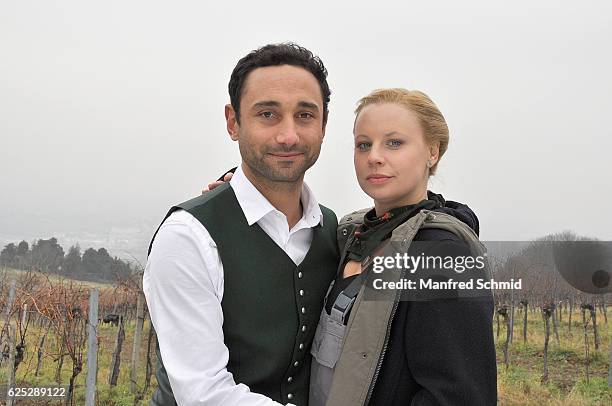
{"x": 375, "y": 157}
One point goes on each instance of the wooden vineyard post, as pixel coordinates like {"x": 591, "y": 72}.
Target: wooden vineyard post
{"x": 62, "y": 350}
{"x": 10, "y": 381}
{"x": 569, "y": 322}
{"x": 593, "y": 311}
{"x": 610, "y": 369}
{"x": 503, "y": 311}
{"x": 137, "y": 338}
{"x": 39, "y": 354}
{"x": 92, "y": 348}
{"x": 547, "y": 312}
{"x": 585, "y": 323}
{"x": 555, "y": 310}
{"x": 7, "y": 310}
{"x": 525, "y": 304}
{"x": 116, "y": 360}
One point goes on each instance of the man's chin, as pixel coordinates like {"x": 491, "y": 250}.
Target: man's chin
{"x": 288, "y": 171}
{"x": 281, "y": 175}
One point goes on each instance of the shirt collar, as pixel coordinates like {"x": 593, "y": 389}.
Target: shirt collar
{"x": 255, "y": 206}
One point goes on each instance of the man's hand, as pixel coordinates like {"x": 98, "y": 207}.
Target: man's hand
{"x": 226, "y": 178}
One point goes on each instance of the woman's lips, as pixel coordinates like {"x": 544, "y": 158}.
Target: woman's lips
{"x": 378, "y": 179}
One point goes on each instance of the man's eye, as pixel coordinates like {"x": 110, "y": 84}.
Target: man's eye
{"x": 266, "y": 114}
{"x": 306, "y": 115}
{"x": 362, "y": 146}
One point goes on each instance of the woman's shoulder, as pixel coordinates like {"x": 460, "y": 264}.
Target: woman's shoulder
{"x": 437, "y": 235}
{"x": 461, "y": 212}
{"x": 434, "y": 241}
{"x": 354, "y": 217}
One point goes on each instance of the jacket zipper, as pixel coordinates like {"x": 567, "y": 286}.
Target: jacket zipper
{"x": 384, "y": 349}
{"x": 387, "y": 334}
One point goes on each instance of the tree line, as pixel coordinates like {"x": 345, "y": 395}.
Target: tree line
{"x": 47, "y": 256}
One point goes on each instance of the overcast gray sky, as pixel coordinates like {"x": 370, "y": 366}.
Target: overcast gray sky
{"x": 112, "y": 111}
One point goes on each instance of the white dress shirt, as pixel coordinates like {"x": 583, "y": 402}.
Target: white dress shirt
{"x": 183, "y": 285}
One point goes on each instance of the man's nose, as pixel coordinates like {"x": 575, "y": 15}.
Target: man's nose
{"x": 287, "y": 134}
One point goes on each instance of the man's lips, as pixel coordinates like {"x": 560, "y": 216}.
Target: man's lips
{"x": 286, "y": 154}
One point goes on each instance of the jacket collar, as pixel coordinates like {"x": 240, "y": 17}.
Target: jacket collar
{"x": 255, "y": 206}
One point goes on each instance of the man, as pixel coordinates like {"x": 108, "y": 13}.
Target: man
{"x": 235, "y": 279}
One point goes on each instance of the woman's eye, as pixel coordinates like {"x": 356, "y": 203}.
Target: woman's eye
{"x": 394, "y": 143}
{"x": 363, "y": 146}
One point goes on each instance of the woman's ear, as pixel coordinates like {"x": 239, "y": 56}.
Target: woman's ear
{"x": 434, "y": 153}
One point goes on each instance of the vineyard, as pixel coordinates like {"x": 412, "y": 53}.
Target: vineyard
{"x": 552, "y": 345}
{"x": 553, "y": 341}
{"x": 49, "y": 333}
{"x": 552, "y": 358}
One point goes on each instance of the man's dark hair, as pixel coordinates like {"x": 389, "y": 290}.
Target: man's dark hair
{"x": 273, "y": 55}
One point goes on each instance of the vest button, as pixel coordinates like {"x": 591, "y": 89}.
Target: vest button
{"x": 301, "y": 292}
{"x": 290, "y": 396}
{"x": 290, "y": 379}
{"x": 303, "y": 328}
{"x": 301, "y": 347}
{"x": 345, "y": 232}
{"x": 296, "y": 363}
{"x": 300, "y": 275}
{"x": 303, "y": 310}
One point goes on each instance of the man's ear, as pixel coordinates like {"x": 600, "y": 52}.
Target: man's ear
{"x": 231, "y": 122}
{"x": 323, "y": 133}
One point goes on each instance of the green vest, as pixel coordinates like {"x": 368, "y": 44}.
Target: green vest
{"x": 271, "y": 307}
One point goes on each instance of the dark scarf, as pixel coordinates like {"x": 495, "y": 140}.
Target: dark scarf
{"x": 375, "y": 230}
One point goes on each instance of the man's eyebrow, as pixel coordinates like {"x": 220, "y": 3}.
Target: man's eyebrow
{"x": 266, "y": 103}
{"x": 308, "y": 105}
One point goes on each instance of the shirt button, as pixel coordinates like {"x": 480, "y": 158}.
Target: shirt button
{"x": 290, "y": 379}
{"x": 296, "y": 363}
{"x": 303, "y": 328}
{"x": 290, "y": 396}
{"x": 299, "y": 275}
{"x": 301, "y": 346}
{"x": 303, "y": 310}
{"x": 301, "y": 292}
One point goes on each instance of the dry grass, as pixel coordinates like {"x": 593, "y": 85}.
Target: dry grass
{"x": 520, "y": 383}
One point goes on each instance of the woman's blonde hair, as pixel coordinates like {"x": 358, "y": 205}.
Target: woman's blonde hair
{"x": 431, "y": 119}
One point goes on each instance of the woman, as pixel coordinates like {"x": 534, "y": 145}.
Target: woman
{"x": 425, "y": 350}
